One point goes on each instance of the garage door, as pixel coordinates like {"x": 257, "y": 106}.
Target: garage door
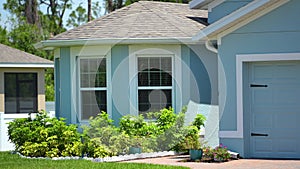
{"x": 275, "y": 109}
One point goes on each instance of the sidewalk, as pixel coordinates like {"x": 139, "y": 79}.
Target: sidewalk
{"x": 236, "y": 164}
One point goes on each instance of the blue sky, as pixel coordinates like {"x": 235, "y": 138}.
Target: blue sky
{"x": 4, "y": 14}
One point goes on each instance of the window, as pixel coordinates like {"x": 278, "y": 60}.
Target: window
{"x": 20, "y": 92}
{"x": 154, "y": 83}
{"x": 93, "y": 88}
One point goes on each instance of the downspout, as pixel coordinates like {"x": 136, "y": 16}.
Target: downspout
{"x": 210, "y": 46}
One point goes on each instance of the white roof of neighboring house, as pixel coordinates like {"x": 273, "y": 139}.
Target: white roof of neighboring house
{"x": 11, "y": 57}
{"x": 238, "y": 18}
{"x": 140, "y": 22}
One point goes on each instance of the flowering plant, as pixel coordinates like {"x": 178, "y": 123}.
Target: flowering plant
{"x": 218, "y": 154}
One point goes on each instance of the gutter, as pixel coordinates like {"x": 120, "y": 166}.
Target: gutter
{"x": 210, "y": 46}
{"x": 51, "y": 44}
{"x": 26, "y": 65}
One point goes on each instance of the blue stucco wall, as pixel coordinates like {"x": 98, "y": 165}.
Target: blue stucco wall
{"x": 120, "y": 82}
{"x": 65, "y": 84}
{"x": 225, "y": 8}
{"x": 57, "y": 86}
{"x": 202, "y": 80}
{"x": 276, "y": 32}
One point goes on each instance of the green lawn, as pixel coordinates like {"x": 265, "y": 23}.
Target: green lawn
{"x": 13, "y": 161}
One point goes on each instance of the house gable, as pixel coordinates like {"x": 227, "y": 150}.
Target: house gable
{"x": 225, "y": 8}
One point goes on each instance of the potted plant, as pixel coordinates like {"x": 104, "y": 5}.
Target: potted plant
{"x": 136, "y": 145}
{"x": 192, "y": 143}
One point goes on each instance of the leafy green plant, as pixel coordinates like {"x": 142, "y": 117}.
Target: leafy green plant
{"x": 171, "y": 138}
{"x": 199, "y": 121}
{"x": 101, "y": 137}
{"x": 166, "y": 118}
{"x": 192, "y": 138}
{"x": 44, "y": 136}
{"x": 133, "y": 125}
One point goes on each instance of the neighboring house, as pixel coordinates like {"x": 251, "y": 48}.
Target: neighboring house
{"x": 138, "y": 59}
{"x": 22, "y": 88}
{"x": 259, "y": 65}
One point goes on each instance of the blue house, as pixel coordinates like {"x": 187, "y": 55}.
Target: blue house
{"x": 138, "y": 59}
{"x": 258, "y": 74}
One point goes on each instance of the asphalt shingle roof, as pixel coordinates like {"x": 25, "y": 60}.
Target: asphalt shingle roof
{"x": 9, "y": 55}
{"x": 143, "y": 19}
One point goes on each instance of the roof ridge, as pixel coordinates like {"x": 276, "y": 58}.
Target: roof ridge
{"x": 167, "y": 20}
{"x": 139, "y": 20}
{"x": 95, "y": 20}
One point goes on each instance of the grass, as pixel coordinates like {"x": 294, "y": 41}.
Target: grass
{"x": 8, "y": 160}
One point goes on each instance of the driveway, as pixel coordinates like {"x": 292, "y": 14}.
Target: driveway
{"x": 236, "y": 164}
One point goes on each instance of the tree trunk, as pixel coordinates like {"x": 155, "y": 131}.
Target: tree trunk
{"x": 89, "y": 12}
{"x": 31, "y": 12}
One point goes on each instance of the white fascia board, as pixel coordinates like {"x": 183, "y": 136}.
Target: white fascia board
{"x": 199, "y": 4}
{"x": 16, "y": 65}
{"x": 231, "y": 18}
{"x": 51, "y": 44}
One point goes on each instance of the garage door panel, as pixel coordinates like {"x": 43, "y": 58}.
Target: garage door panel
{"x": 290, "y": 146}
{"x": 262, "y": 72}
{"x": 262, "y": 97}
{"x": 275, "y": 110}
{"x": 286, "y": 120}
{"x": 263, "y": 145}
{"x": 262, "y": 121}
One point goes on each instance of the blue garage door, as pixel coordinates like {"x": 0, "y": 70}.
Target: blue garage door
{"x": 275, "y": 109}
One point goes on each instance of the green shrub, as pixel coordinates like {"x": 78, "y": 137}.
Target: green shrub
{"x": 171, "y": 138}
{"x": 103, "y": 138}
{"x": 133, "y": 125}
{"x": 199, "y": 121}
{"x": 166, "y": 118}
{"x": 44, "y": 136}
{"x": 94, "y": 148}
{"x": 192, "y": 138}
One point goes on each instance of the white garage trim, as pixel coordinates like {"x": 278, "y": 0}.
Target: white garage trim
{"x": 243, "y": 58}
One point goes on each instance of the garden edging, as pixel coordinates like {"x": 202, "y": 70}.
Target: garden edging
{"x": 113, "y": 158}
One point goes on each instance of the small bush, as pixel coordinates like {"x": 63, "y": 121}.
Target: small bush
{"x": 199, "y": 121}
{"x": 103, "y": 138}
{"x": 218, "y": 154}
{"x": 44, "y": 136}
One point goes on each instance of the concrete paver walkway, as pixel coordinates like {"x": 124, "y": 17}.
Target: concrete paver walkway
{"x": 236, "y": 164}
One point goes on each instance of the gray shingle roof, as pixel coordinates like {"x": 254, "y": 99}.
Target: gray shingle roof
{"x": 143, "y": 19}
{"x": 9, "y": 55}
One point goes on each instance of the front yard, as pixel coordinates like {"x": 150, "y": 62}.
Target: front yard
{"x": 8, "y": 161}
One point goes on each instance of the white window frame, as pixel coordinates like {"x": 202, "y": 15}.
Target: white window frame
{"x": 107, "y": 88}
{"x": 155, "y": 87}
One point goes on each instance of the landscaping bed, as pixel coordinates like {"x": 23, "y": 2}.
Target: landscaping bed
{"x": 162, "y": 134}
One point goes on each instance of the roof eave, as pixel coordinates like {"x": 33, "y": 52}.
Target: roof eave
{"x": 26, "y": 65}
{"x": 52, "y": 44}
{"x": 212, "y": 31}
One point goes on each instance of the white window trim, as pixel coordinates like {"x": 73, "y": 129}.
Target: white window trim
{"x": 158, "y": 50}
{"x": 107, "y": 88}
{"x": 155, "y": 87}
{"x": 244, "y": 58}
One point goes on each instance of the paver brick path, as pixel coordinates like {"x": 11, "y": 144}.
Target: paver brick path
{"x": 234, "y": 164}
